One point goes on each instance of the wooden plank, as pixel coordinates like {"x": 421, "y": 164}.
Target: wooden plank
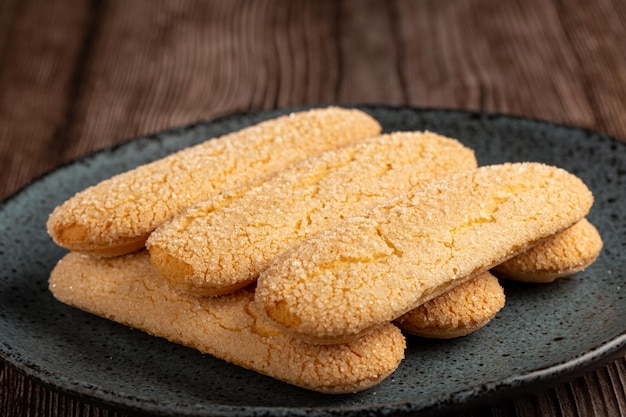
{"x": 40, "y": 49}
{"x": 181, "y": 63}
{"x": 367, "y": 40}
{"x": 492, "y": 56}
{"x": 596, "y": 28}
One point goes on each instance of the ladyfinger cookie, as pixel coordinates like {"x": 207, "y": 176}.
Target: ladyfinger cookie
{"x": 561, "y": 255}
{"x": 459, "y": 312}
{"x": 372, "y": 268}
{"x": 117, "y": 215}
{"x": 127, "y": 290}
{"x": 216, "y": 247}
{"x": 469, "y": 306}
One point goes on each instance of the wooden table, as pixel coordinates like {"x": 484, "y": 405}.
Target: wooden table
{"x": 76, "y": 76}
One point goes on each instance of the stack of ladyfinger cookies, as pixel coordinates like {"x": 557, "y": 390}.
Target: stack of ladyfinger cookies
{"x": 304, "y": 246}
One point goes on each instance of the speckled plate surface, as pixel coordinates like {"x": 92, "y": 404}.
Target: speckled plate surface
{"x": 545, "y": 333}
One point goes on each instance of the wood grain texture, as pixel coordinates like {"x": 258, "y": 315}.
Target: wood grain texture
{"x": 36, "y": 84}
{"x": 78, "y": 76}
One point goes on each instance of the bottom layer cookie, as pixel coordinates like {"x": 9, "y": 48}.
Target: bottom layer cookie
{"x": 459, "y": 312}
{"x": 561, "y": 255}
{"x": 128, "y": 291}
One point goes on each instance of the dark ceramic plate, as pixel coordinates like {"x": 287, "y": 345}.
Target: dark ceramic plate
{"x": 545, "y": 333}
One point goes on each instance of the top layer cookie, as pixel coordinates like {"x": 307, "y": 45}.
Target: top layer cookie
{"x": 117, "y": 215}
{"x": 371, "y": 269}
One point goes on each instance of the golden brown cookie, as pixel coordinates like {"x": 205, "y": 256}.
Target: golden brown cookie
{"x": 561, "y": 255}
{"x": 117, "y": 215}
{"x": 127, "y": 290}
{"x": 371, "y": 269}
{"x": 458, "y": 312}
{"x": 221, "y": 244}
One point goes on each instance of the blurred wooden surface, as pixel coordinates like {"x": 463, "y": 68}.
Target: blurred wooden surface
{"x": 76, "y": 76}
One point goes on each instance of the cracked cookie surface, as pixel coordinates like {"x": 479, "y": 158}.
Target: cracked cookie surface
{"x": 371, "y": 269}
{"x": 216, "y": 247}
{"x": 116, "y": 216}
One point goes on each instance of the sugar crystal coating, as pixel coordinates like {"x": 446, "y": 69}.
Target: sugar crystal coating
{"x": 116, "y": 216}
{"x": 458, "y": 312}
{"x": 560, "y": 255}
{"x": 127, "y": 290}
{"x": 372, "y": 268}
{"x": 222, "y": 244}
